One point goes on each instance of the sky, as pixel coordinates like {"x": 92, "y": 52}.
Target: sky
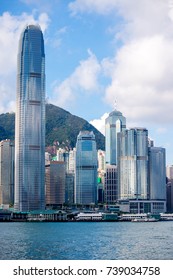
{"x": 100, "y": 55}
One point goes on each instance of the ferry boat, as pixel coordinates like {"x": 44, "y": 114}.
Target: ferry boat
{"x": 129, "y": 217}
{"x": 89, "y": 216}
{"x": 140, "y": 217}
{"x": 38, "y": 219}
{"x": 166, "y": 217}
{"x": 145, "y": 220}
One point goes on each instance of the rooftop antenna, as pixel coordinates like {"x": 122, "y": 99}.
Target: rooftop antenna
{"x": 115, "y": 104}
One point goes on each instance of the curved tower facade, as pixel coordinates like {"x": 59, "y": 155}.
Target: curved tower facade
{"x": 30, "y": 122}
{"x": 86, "y": 168}
{"x": 114, "y": 124}
{"x": 133, "y": 164}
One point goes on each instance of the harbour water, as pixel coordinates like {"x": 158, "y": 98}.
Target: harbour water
{"x": 86, "y": 241}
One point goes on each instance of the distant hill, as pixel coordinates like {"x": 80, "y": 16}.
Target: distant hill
{"x": 62, "y": 128}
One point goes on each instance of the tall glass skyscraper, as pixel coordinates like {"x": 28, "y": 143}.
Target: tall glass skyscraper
{"x": 55, "y": 183}
{"x": 157, "y": 173}
{"x": 111, "y": 184}
{"x": 133, "y": 164}
{"x": 6, "y": 172}
{"x": 86, "y": 168}
{"x": 114, "y": 124}
{"x": 30, "y": 122}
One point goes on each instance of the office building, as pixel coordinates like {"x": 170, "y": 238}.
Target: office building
{"x": 69, "y": 188}
{"x": 63, "y": 155}
{"x": 169, "y": 172}
{"x": 150, "y": 142}
{"x": 55, "y": 184}
{"x": 101, "y": 160}
{"x": 169, "y": 196}
{"x": 114, "y": 124}
{"x": 133, "y": 164}
{"x": 86, "y": 168}
{"x": 143, "y": 206}
{"x": 157, "y": 173}
{"x": 169, "y": 188}
{"x": 72, "y": 160}
{"x": 30, "y": 122}
{"x": 6, "y": 172}
{"x": 111, "y": 184}
{"x": 47, "y": 158}
{"x": 100, "y": 189}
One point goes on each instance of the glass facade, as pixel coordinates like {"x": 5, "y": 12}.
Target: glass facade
{"x": 133, "y": 164}
{"x": 157, "y": 173}
{"x": 6, "y": 172}
{"x": 69, "y": 188}
{"x": 86, "y": 168}
{"x": 111, "y": 184}
{"x": 150, "y": 206}
{"x": 30, "y": 122}
{"x": 115, "y": 123}
{"x": 55, "y": 183}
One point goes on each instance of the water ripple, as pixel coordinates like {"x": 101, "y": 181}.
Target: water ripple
{"x": 82, "y": 241}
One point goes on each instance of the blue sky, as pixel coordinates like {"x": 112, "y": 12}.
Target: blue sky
{"x": 98, "y": 52}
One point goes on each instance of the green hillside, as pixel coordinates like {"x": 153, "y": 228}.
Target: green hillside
{"x": 62, "y": 128}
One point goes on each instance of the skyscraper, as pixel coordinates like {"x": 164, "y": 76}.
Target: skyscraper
{"x": 63, "y": 155}
{"x": 86, "y": 168}
{"x": 101, "y": 160}
{"x": 115, "y": 123}
{"x": 72, "y": 160}
{"x": 6, "y": 172}
{"x": 169, "y": 188}
{"x": 111, "y": 184}
{"x": 133, "y": 164}
{"x": 30, "y": 122}
{"x": 157, "y": 173}
{"x": 55, "y": 183}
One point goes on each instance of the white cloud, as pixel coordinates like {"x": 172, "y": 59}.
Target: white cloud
{"x": 29, "y": 2}
{"x": 161, "y": 130}
{"x": 102, "y": 7}
{"x": 10, "y": 30}
{"x": 142, "y": 79}
{"x": 144, "y": 17}
{"x": 141, "y": 71}
{"x": 100, "y": 123}
{"x": 84, "y": 78}
{"x": 42, "y": 5}
{"x": 56, "y": 40}
{"x": 7, "y": 101}
{"x": 62, "y": 30}
{"x": 43, "y": 21}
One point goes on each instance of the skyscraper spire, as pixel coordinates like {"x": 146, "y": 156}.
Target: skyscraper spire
{"x": 30, "y": 121}
{"x": 115, "y": 104}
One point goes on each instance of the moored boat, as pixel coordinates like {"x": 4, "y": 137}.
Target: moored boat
{"x": 145, "y": 220}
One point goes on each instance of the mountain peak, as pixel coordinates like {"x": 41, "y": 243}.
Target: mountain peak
{"x": 62, "y": 128}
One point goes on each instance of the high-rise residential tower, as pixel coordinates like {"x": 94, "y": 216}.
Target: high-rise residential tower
{"x": 86, "y": 168}
{"x": 114, "y": 123}
{"x": 30, "y": 122}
